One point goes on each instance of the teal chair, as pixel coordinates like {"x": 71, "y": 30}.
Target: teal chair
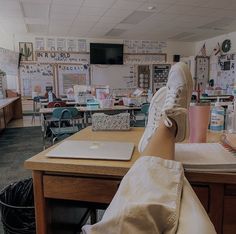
{"x": 65, "y": 119}
{"x": 144, "y": 110}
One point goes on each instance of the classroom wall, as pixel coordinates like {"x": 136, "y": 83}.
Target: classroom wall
{"x": 212, "y": 42}
{"x": 6, "y": 40}
{"x": 182, "y": 48}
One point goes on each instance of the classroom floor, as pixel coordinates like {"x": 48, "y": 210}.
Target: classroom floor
{"x": 25, "y": 122}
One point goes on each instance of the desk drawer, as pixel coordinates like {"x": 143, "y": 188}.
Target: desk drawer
{"x": 79, "y": 188}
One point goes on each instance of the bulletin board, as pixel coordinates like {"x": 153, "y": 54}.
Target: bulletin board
{"x": 34, "y": 77}
{"x": 115, "y": 76}
{"x": 202, "y": 70}
{"x": 222, "y": 71}
{"x": 69, "y": 75}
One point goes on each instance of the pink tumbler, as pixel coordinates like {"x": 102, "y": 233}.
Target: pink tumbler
{"x": 199, "y": 116}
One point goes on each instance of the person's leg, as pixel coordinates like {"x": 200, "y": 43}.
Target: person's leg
{"x": 162, "y": 142}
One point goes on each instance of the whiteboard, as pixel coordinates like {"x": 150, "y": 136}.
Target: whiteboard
{"x": 35, "y": 77}
{"x": 115, "y": 76}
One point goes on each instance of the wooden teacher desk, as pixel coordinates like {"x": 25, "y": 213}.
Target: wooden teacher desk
{"x": 98, "y": 180}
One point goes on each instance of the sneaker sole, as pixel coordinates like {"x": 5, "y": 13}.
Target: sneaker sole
{"x": 189, "y": 85}
{"x": 160, "y": 94}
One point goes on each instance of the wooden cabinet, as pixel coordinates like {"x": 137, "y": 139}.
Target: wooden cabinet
{"x": 2, "y": 120}
{"x": 10, "y": 108}
{"x": 217, "y": 193}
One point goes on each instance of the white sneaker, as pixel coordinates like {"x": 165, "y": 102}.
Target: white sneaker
{"x": 154, "y": 116}
{"x": 178, "y": 96}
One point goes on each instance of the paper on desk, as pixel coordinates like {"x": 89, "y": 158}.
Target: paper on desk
{"x": 205, "y": 156}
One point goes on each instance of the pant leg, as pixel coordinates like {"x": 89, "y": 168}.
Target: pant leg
{"x": 147, "y": 201}
{"x": 193, "y": 217}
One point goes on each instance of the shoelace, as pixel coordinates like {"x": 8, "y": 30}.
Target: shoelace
{"x": 153, "y": 123}
{"x": 171, "y": 108}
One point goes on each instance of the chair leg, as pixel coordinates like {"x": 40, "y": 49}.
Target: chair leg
{"x": 53, "y": 140}
{"x": 93, "y": 216}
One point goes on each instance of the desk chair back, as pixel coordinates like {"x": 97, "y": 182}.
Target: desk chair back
{"x": 66, "y": 122}
{"x": 56, "y": 104}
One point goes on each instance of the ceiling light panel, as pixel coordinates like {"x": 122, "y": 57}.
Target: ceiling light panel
{"x": 136, "y": 17}
{"x": 35, "y": 10}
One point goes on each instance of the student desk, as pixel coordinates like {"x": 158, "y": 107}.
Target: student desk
{"x": 89, "y": 111}
{"x": 98, "y": 180}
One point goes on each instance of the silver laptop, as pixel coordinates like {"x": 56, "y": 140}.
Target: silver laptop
{"x": 109, "y": 150}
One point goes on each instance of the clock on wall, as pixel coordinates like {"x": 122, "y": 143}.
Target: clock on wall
{"x": 226, "y": 45}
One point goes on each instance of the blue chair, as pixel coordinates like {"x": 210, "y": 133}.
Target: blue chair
{"x": 65, "y": 119}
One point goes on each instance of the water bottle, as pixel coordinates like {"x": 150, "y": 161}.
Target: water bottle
{"x": 149, "y": 96}
{"x": 50, "y": 96}
{"x": 229, "y": 119}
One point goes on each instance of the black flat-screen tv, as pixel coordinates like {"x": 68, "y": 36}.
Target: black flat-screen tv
{"x": 101, "y": 53}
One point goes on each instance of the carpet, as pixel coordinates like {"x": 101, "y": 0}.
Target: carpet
{"x": 17, "y": 145}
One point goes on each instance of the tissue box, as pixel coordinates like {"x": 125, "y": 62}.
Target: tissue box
{"x": 106, "y": 103}
{"x": 103, "y": 122}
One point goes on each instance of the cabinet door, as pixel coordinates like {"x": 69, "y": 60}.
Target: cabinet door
{"x": 229, "y": 223}
{"x": 2, "y": 120}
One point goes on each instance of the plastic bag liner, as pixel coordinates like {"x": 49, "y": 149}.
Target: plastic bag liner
{"x": 17, "y": 208}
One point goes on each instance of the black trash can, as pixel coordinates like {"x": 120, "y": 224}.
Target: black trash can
{"x": 17, "y": 208}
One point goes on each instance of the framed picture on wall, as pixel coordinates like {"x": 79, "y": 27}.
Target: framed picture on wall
{"x": 26, "y": 51}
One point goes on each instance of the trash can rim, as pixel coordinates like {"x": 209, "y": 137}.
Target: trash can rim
{"x": 10, "y": 206}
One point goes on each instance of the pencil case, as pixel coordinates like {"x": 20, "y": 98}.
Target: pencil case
{"x": 103, "y": 122}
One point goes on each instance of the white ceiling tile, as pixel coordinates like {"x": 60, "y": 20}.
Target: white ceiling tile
{"x": 35, "y": 10}
{"x": 178, "y": 10}
{"x": 36, "y": 21}
{"x": 124, "y": 26}
{"x": 68, "y": 2}
{"x": 90, "y": 18}
{"x": 99, "y": 3}
{"x": 11, "y": 14}
{"x": 14, "y": 28}
{"x": 84, "y": 25}
{"x": 92, "y": 11}
{"x": 201, "y": 3}
{"x": 34, "y": 28}
{"x": 122, "y": 4}
{"x": 101, "y": 25}
{"x": 115, "y": 20}
{"x": 115, "y": 12}
{"x": 61, "y": 21}
{"x": 157, "y": 7}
